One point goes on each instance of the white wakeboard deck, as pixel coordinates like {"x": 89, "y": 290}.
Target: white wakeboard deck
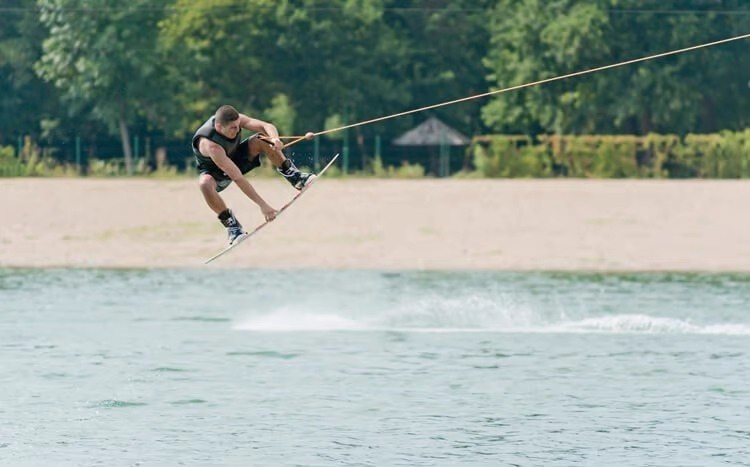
{"x": 247, "y": 235}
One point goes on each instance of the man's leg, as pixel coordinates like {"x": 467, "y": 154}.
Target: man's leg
{"x": 258, "y": 145}
{"x": 208, "y": 186}
{"x": 283, "y": 165}
{"x": 212, "y": 197}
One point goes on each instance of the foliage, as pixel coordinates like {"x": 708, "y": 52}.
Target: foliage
{"x": 533, "y": 40}
{"x": 378, "y": 169}
{"x": 359, "y": 51}
{"x": 116, "y": 168}
{"x": 282, "y": 114}
{"x": 167, "y": 171}
{"x": 24, "y": 97}
{"x": 334, "y": 172}
{"x": 331, "y": 123}
{"x": 511, "y": 156}
{"x": 443, "y": 43}
{"x": 724, "y": 155}
{"x": 406, "y": 170}
{"x": 32, "y": 162}
{"x": 10, "y": 165}
{"x": 719, "y": 155}
{"x": 157, "y": 69}
{"x": 111, "y": 73}
{"x": 593, "y": 156}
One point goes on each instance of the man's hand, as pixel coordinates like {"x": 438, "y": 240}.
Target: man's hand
{"x": 277, "y": 143}
{"x": 274, "y": 141}
{"x": 268, "y": 212}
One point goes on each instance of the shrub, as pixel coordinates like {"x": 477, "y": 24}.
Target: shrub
{"x": 720, "y": 155}
{"x": 10, "y": 165}
{"x": 510, "y": 156}
{"x": 407, "y": 170}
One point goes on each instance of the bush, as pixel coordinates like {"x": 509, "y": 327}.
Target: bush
{"x": 735, "y": 150}
{"x": 37, "y": 164}
{"x": 169, "y": 171}
{"x": 723, "y": 155}
{"x": 720, "y": 155}
{"x": 595, "y": 156}
{"x": 379, "y": 170}
{"x": 116, "y": 168}
{"x": 511, "y": 156}
{"x": 407, "y": 170}
{"x": 106, "y": 168}
{"x": 10, "y": 165}
{"x": 334, "y": 172}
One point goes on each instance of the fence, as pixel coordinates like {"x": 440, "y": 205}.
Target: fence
{"x": 103, "y": 156}
{"x": 720, "y": 155}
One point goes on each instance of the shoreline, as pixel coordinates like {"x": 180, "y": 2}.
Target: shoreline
{"x": 513, "y": 225}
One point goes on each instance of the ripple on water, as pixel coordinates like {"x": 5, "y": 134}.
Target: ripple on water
{"x": 188, "y": 402}
{"x": 265, "y": 354}
{"x": 112, "y": 403}
{"x": 206, "y": 319}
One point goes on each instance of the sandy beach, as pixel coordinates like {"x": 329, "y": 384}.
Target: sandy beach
{"x": 589, "y": 225}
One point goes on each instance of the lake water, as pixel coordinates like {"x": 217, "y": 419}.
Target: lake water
{"x": 323, "y": 368}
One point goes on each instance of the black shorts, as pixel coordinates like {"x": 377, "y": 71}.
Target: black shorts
{"x": 242, "y": 158}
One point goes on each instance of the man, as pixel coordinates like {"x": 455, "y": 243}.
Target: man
{"x": 222, "y": 159}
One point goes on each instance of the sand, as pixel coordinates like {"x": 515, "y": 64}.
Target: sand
{"x": 586, "y": 225}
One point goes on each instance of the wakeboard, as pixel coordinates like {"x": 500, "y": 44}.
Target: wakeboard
{"x": 247, "y": 235}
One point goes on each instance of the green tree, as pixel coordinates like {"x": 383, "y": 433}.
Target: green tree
{"x": 103, "y": 57}
{"x": 221, "y": 51}
{"x": 698, "y": 91}
{"x": 695, "y": 91}
{"x": 350, "y": 59}
{"x": 338, "y": 59}
{"x": 533, "y": 40}
{"x": 445, "y": 42}
{"x": 24, "y": 98}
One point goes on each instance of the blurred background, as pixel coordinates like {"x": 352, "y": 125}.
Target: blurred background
{"x": 104, "y": 87}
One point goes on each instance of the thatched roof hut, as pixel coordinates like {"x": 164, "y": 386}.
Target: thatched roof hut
{"x": 432, "y": 140}
{"x": 432, "y": 132}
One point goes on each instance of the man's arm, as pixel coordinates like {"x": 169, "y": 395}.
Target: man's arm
{"x": 268, "y": 129}
{"x": 217, "y": 154}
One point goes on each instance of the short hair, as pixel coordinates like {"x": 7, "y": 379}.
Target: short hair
{"x": 226, "y": 114}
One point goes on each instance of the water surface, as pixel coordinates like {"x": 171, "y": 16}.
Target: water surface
{"x": 257, "y": 367}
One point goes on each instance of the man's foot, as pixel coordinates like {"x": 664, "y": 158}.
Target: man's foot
{"x": 298, "y": 179}
{"x": 234, "y": 228}
{"x": 304, "y": 180}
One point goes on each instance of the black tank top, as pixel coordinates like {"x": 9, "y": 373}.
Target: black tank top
{"x": 208, "y": 131}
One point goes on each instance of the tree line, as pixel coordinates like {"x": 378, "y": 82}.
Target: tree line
{"x": 159, "y": 68}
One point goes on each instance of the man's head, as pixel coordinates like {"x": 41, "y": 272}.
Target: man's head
{"x": 227, "y": 121}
